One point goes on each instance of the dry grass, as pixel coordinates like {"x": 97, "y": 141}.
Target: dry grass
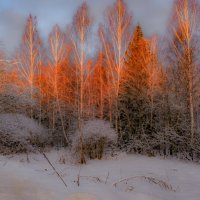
{"x": 162, "y": 184}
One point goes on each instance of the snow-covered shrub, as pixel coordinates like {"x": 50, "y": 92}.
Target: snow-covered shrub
{"x": 97, "y": 134}
{"x": 13, "y": 100}
{"x": 19, "y": 133}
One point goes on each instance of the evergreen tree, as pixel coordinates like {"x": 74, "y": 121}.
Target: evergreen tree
{"x": 133, "y": 85}
{"x": 136, "y": 111}
{"x": 138, "y": 34}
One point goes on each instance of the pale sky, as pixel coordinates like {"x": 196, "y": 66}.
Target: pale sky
{"x": 151, "y": 14}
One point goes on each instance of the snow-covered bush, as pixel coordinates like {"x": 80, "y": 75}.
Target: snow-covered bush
{"x": 13, "y": 100}
{"x": 97, "y": 135}
{"x": 19, "y": 133}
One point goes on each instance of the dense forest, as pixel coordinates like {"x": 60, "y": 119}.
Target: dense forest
{"x": 140, "y": 94}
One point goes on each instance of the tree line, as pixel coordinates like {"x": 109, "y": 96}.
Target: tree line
{"x": 147, "y": 89}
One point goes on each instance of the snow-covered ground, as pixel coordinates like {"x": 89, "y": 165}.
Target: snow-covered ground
{"x": 136, "y": 178}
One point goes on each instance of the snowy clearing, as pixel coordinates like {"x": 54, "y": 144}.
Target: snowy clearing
{"x": 127, "y": 177}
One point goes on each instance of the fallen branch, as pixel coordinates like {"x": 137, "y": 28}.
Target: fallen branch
{"x": 54, "y": 169}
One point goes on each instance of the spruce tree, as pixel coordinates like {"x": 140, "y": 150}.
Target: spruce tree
{"x": 135, "y": 103}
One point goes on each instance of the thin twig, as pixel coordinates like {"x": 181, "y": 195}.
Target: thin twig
{"x": 107, "y": 178}
{"x": 92, "y": 177}
{"x": 78, "y": 178}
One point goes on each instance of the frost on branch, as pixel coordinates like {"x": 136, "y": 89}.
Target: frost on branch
{"x": 13, "y": 100}
{"x": 19, "y": 133}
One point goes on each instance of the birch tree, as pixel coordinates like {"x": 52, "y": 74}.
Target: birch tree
{"x": 56, "y": 57}
{"x": 100, "y": 79}
{"x": 2, "y": 69}
{"x": 28, "y": 55}
{"x": 116, "y": 33}
{"x": 185, "y": 44}
{"x": 81, "y": 27}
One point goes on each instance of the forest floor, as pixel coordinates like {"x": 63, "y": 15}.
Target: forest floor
{"x": 124, "y": 177}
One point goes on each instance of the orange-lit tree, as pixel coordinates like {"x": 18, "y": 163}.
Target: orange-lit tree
{"x": 81, "y": 27}
{"x": 115, "y": 38}
{"x": 184, "y": 57}
{"x": 56, "y": 58}
{"x": 2, "y": 69}
{"x": 28, "y": 56}
{"x": 99, "y": 84}
{"x": 140, "y": 87}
